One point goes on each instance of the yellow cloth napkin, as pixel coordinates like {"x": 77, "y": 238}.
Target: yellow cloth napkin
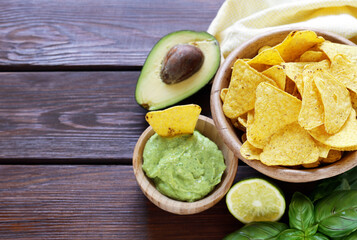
{"x": 239, "y": 20}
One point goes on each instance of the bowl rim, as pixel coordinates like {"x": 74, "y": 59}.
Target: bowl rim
{"x": 228, "y": 132}
{"x": 176, "y": 206}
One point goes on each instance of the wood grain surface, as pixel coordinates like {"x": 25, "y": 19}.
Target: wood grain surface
{"x": 78, "y": 116}
{"x": 100, "y": 202}
{"x": 110, "y": 34}
{"x": 69, "y": 121}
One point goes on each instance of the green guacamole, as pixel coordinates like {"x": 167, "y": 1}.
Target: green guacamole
{"x": 185, "y": 167}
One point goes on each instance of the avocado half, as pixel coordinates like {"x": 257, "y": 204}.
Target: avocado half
{"x": 153, "y": 93}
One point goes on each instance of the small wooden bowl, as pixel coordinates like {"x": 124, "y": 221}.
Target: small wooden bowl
{"x": 206, "y": 126}
{"x": 228, "y": 131}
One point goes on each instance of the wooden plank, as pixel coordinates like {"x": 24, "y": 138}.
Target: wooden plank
{"x": 73, "y": 116}
{"x": 103, "y": 34}
{"x": 101, "y": 202}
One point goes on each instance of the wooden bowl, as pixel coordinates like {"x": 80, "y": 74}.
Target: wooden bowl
{"x": 206, "y": 126}
{"x": 228, "y": 131}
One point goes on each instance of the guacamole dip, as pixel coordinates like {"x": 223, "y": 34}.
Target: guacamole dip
{"x": 184, "y": 167}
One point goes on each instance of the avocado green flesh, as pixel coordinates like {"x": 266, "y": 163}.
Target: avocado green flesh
{"x": 152, "y": 93}
{"x": 185, "y": 167}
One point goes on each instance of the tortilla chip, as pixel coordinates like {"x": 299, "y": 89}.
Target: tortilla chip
{"x": 237, "y": 124}
{"x": 335, "y": 98}
{"x": 313, "y": 56}
{"x": 223, "y": 94}
{"x": 250, "y": 117}
{"x": 294, "y": 71}
{"x": 259, "y": 67}
{"x": 323, "y": 149}
{"x": 301, "y": 69}
{"x": 277, "y": 73}
{"x": 243, "y": 120}
{"x": 324, "y": 64}
{"x": 312, "y": 112}
{"x": 344, "y": 140}
{"x": 269, "y": 56}
{"x": 274, "y": 109}
{"x": 345, "y": 71}
{"x": 290, "y": 146}
{"x": 312, "y": 165}
{"x": 175, "y": 120}
{"x": 296, "y": 43}
{"x": 250, "y": 152}
{"x": 333, "y": 156}
{"x": 332, "y": 49}
{"x": 263, "y": 48}
{"x": 240, "y": 97}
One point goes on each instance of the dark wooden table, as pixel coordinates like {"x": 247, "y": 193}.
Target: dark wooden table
{"x": 69, "y": 120}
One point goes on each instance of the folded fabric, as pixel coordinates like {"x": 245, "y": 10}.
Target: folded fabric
{"x": 238, "y": 20}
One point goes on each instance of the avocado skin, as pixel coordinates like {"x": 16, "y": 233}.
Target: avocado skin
{"x": 152, "y": 93}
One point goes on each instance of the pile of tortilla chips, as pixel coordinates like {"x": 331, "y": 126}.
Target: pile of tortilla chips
{"x": 296, "y": 101}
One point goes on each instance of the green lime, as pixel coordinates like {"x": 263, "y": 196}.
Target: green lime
{"x": 255, "y": 199}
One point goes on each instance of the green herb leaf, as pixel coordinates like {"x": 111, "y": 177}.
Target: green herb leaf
{"x": 345, "y": 181}
{"x": 301, "y": 212}
{"x": 258, "y": 230}
{"x": 311, "y": 230}
{"x": 353, "y": 184}
{"x": 337, "y": 214}
{"x": 291, "y": 234}
{"x": 317, "y": 236}
{"x": 350, "y": 175}
{"x": 352, "y": 236}
{"x": 294, "y": 234}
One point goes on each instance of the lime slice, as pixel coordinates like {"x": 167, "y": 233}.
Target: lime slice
{"x": 255, "y": 200}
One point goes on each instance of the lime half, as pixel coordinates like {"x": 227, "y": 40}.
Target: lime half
{"x": 255, "y": 199}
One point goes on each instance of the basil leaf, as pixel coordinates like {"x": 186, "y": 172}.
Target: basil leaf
{"x": 317, "y": 236}
{"x": 311, "y": 230}
{"x": 258, "y": 230}
{"x": 344, "y": 185}
{"x": 345, "y": 181}
{"x": 350, "y": 175}
{"x": 337, "y": 214}
{"x": 294, "y": 234}
{"x": 352, "y": 236}
{"x": 291, "y": 234}
{"x": 353, "y": 184}
{"x": 325, "y": 188}
{"x": 301, "y": 212}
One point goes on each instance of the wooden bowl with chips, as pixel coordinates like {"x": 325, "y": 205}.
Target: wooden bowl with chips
{"x": 206, "y": 127}
{"x": 233, "y": 136}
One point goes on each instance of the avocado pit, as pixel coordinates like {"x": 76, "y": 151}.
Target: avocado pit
{"x": 180, "y": 63}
